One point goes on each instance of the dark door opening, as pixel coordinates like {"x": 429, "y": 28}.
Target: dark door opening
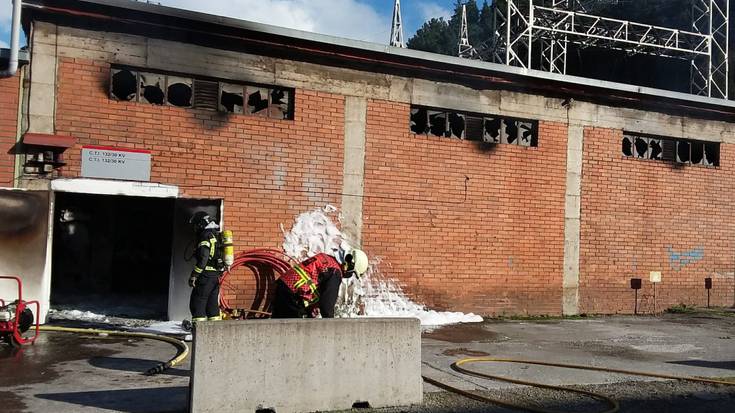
{"x": 112, "y": 254}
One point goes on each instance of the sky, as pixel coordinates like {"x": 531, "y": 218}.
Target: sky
{"x": 368, "y": 20}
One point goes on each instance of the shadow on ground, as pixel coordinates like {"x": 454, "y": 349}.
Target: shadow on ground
{"x": 163, "y": 399}
{"x": 725, "y": 365}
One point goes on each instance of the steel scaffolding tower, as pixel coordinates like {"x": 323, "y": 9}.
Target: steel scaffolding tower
{"x": 465, "y": 48}
{"x": 396, "y": 31}
{"x": 547, "y": 27}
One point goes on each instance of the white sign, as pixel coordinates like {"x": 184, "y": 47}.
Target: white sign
{"x": 116, "y": 163}
{"x": 655, "y": 276}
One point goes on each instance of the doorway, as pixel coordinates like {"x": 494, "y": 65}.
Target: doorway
{"x": 112, "y": 254}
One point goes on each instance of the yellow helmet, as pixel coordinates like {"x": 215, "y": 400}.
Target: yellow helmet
{"x": 359, "y": 261}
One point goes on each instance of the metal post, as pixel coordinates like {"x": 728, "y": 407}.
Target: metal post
{"x": 530, "y": 33}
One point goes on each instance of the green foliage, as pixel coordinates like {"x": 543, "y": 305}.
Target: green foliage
{"x": 440, "y": 36}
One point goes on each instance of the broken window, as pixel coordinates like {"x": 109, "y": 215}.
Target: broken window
{"x": 231, "y": 98}
{"x": 179, "y": 91}
{"x": 473, "y": 127}
{"x": 526, "y": 134}
{"x": 492, "y": 130}
{"x": 655, "y": 149}
{"x": 257, "y": 100}
{"x": 456, "y": 125}
{"x": 628, "y": 145}
{"x": 712, "y": 154}
{"x": 669, "y": 149}
{"x": 123, "y": 84}
{"x": 509, "y": 132}
{"x": 437, "y": 123}
{"x": 641, "y": 147}
{"x": 419, "y": 121}
{"x": 152, "y": 86}
{"x": 683, "y": 154}
{"x": 697, "y": 152}
{"x": 280, "y": 107}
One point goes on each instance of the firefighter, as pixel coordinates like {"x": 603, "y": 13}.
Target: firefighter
{"x": 205, "y": 277}
{"x": 311, "y": 288}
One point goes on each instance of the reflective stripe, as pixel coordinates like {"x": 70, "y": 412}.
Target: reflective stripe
{"x": 198, "y": 318}
{"x": 217, "y": 318}
{"x": 210, "y": 268}
{"x": 197, "y": 269}
{"x": 212, "y": 245}
{"x": 305, "y": 279}
{"x": 204, "y": 243}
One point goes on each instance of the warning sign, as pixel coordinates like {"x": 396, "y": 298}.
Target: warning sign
{"x": 116, "y": 163}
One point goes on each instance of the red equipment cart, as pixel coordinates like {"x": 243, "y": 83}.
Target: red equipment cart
{"x": 16, "y": 317}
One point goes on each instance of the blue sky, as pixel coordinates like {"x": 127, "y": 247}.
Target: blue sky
{"x": 358, "y": 19}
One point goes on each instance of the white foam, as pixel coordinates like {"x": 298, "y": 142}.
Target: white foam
{"x": 77, "y": 315}
{"x": 375, "y": 294}
{"x": 164, "y": 327}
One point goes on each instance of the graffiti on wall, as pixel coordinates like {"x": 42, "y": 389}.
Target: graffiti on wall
{"x": 679, "y": 260}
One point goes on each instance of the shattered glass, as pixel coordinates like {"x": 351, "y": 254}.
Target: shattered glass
{"x": 257, "y": 102}
{"x": 231, "y": 98}
{"x": 152, "y": 87}
{"x": 123, "y": 85}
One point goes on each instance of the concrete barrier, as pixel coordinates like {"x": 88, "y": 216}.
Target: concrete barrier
{"x": 296, "y": 365}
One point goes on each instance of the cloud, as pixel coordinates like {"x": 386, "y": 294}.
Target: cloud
{"x": 345, "y": 18}
{"x": 433, "y": 10}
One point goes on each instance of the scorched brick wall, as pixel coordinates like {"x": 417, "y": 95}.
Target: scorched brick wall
{"x": 267, "y": 171}
{"x": 465, "y": 226}
{"x": 9, "y": 89}
{"x": 640, "y": 216}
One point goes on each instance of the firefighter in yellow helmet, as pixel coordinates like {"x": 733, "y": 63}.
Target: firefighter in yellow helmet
{"x": 311, "y": 288}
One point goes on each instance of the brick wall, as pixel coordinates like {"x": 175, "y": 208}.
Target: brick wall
{"x": 9, "y": 90}
{"x": 267, "y": 171}
{"x": 637, "y": 215}
{"x": 498, "y": 248}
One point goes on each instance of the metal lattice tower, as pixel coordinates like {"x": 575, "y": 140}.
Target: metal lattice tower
{"x": 709, "y": 74}
{"x": 396, "y": 32}
{"x": 465, "y": 48}
{"x": 525, "y": 29}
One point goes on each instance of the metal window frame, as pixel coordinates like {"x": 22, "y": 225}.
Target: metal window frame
{"x": 137, "y": 70}
{"x": 676, "y": 141}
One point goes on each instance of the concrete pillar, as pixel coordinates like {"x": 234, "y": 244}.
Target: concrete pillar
{"x": 42, "y": 99}
{"x": 572, "y": 218}
{"x": 354, "y": 168}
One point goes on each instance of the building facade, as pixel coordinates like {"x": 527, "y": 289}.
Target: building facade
{"x": 482, "y": 188}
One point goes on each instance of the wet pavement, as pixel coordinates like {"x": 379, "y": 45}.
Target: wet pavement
{"x": 64, "y": 372}
{"x": 69, "y": 373}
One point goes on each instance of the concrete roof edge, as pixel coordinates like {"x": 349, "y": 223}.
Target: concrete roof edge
{"x": 406, "y": 53}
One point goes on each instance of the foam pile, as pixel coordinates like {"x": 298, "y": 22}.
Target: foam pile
{"x": 375, "y": 294}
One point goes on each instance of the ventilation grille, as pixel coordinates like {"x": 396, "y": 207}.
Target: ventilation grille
{"x": 206, "y": 94}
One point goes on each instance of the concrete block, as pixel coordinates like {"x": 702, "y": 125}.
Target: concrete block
{"x": 43, "y": 99}
{"x": 299, "y": 365}
{"x": 450, "y": 96}
{"x": 44, "y": 69}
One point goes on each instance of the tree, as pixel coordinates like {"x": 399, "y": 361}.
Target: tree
{"x": 440, "y": 36}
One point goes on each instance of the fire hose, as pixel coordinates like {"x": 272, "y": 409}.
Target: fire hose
{"x": 182, "y": 348}
{"x": 614, "y": 406}
{"x": 268, "y": 265}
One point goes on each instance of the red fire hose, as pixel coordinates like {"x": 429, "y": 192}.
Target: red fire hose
{"x": 267, "y": 265}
